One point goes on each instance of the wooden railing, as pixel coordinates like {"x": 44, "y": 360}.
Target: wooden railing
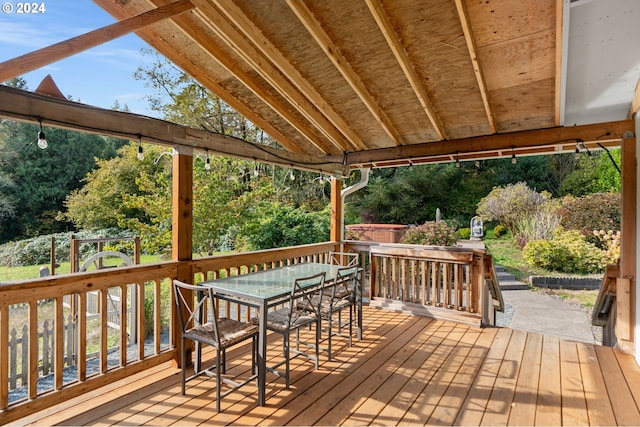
{"x": 449, "y": 283}
{"x": 99, "y": 354}
{"x": 94, "y": 354}
{"x": 604, "y": 310}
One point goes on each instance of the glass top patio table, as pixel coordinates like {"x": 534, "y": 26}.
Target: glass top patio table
{"x": 266, "y": 288}
{"x": 270, "y": 284}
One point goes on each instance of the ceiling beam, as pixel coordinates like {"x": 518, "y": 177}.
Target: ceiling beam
{"x": 45, "y": 56}
{"x": 27, "y": 106}
{"x": 473, "y": 55}
{"x": 178, "y": 58}
{"x": 255, "y": 36}
{"x": 202, "y": 39}
{"x": 340, "y": 62}
{"x": 220, "y": 25}
{"x": 387, "y": 29}
{"x": 599, "y": 132}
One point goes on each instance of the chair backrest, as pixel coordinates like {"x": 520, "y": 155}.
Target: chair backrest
{"x": 345, "y": 280}
{"x": 194, "y": 303}
{"x": 348, "y": 259}
{"x": 306, "y": 297}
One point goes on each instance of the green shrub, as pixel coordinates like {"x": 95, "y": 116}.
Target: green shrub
{"x": 37, "y": 250}
{"x": 568, "y": 252}
{"x": 464, "y": 233}
{"x": 431, "y": 233}
{"x": 597, "y": 211}
{"x": 499, "y": 230}
{"x": 509, "y": 204}
{"x": 539, "y": 225}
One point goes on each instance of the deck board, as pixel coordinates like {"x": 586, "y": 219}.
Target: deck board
{"x": 406, "y": 370}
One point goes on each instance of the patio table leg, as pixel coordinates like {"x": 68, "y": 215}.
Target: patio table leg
{"x": 262, "y": 355}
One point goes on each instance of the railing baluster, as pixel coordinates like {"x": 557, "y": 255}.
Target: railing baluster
{"x": 138, "y": 289}
{"x": 157, "y": 316}
{"x": 32, "y": 355}
{"x": 82, "y": 336}
{"x": 59, "y": 342}
{"x": 123, "y": 325}
{"x": 4, "y": 356}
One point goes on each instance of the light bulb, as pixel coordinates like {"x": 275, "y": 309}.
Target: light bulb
{"x": 42, "y": 141}
{"x": 292, "y": 177}
{"x": 207, "y": 164}
{"x": 513, "y": 159}
{"x": 140, "y": 153}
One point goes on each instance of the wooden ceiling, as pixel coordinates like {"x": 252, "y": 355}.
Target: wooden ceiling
{"x": 372, "y": 83}
{"x": 331, "y": 76}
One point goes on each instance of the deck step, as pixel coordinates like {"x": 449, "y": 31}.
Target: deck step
{"x": 508, "y": 281}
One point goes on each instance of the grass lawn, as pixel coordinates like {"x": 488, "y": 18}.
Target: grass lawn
{"x": 9, "y": 274}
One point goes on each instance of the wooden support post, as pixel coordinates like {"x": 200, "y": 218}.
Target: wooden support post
{"x": 182, "y": 232}
{"x": 625, "y": 295}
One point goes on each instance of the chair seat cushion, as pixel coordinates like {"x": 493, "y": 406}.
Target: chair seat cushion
{"x": 278, "y": 320}
{"x": 231, "y": 332}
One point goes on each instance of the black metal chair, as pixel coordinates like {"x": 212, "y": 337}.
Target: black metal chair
{"x": 341, "y": 295}
{"x": 302, "y": 309}
{"x": 348, "y": 259}
{"x": 199, "y": 323}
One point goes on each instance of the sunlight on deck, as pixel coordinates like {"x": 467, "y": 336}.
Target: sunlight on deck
{"x": 406, "y": 371}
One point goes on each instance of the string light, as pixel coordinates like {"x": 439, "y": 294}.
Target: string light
{"x": 513, "y": 156}
{"x": 458, "y": 159}
{"x": 42, "y": 140}
{"x": 140, "y": 154}
{"x": 207, "y": 162}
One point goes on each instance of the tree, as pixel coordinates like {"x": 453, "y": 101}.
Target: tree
{"x": 594, "y": 173}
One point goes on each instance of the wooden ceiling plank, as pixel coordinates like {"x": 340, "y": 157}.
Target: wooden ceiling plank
{"x": 27, "y": 106}
{"x": 635, "y": 102}
{"x": 255, "y": 36}
{"x": 550, "y": 137}
{"x": 177, "y": 57}
{"x": 340, "y": 62}
{"x": 473, "y": 55}
{"x": 400, "y": 53}
{"x": 246, "y": 79}
{"x": 45, "y": 56}
{"x": 220, "y": 24}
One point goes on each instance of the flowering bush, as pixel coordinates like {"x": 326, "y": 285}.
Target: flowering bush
{"x": 437, "y": 233}
{"x": 568, "y": 252}
{"x": 609, "y": 242}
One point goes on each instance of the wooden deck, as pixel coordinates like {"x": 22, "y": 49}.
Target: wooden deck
{"x": 406, "y": 371}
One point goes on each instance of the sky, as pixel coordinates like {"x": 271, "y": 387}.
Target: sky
{"x": 99, "y": 76}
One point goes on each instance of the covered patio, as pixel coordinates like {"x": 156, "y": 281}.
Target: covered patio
{"x": 343, "y": 86}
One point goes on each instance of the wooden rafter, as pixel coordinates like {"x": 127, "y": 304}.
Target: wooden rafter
{"x": 635, "y": 102}
{"x": 220, "y": 25}
{"x": 285, "y": 111}
{"x": 400, "y": 53}
{"x": 473, "y": 55}
{"x": 26, "y": 106}
{"x": 340, "y": 62}
{"x": 253, "y": 34}
{"x": 177, "y": 57}
{"x": 41, "y": 57}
